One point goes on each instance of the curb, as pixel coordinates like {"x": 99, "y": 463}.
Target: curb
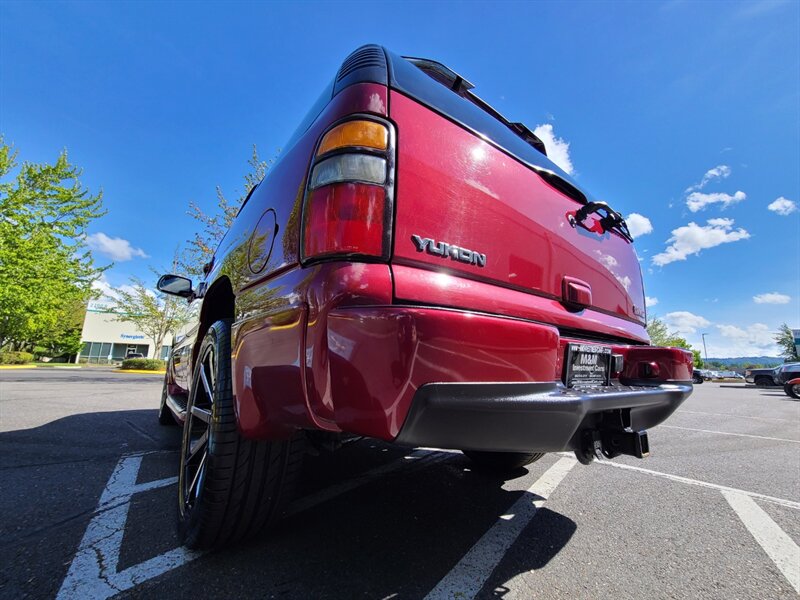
{"x": 140, "y": 371}
{"x": 3, "y": 367}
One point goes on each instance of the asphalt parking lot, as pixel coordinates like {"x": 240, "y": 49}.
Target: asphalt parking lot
{"x": 87, "y": 506}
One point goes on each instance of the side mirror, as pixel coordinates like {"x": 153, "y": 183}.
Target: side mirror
{"x": 175, "y": 285}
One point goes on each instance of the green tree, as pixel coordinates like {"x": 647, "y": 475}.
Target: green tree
{"x": 45, "y": 267}
{"x": 660, "y": 335}
{"x": 785, "y": 340}
{"x": 658, "y": 332}
{"x": 152, "y": 313}
{"x": 64, "y": 336}
{"x": 201, "y": 247}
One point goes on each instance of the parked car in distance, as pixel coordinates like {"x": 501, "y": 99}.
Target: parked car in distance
{"x": 704, "y": 373}
{"x": 792, "y": 388}
{"x": 413, "y": 269}
{"x": 697, "y": 377}
{"x": 787, "y": 372}
{"x": 134, "y": 355}
{"x": 730, "y": 375}
{"x": 775, "y": 376}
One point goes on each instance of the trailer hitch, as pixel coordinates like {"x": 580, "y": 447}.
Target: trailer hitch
{"x": 612, "y": 438}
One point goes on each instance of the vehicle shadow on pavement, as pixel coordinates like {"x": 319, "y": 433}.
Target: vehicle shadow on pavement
{"x": 384, "y": 524}
{"x": 777, "y": 394}
{"x": 397, "y": 534}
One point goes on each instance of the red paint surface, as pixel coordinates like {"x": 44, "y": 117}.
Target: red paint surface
{"x": 456, "y": 188}
{"x": 380, "y": 356}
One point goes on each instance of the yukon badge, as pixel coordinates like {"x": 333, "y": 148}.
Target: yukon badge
{"x": 446, "y": 250}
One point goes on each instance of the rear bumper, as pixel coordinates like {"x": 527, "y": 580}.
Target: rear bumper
{"x": 451, "y": 378}
{"x": 528, "y": 417}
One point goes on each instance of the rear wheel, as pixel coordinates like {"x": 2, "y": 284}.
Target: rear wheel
{"x": 229, "y": 488}
{"x": 792, "y": 390}
{"x": 763, "y": 382}
{"x": 501, "y": 462}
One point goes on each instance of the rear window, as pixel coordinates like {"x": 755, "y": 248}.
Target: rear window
{"x": 429, "y": 86}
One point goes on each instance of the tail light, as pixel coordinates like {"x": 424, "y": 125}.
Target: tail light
{"x": 347, "y": 209}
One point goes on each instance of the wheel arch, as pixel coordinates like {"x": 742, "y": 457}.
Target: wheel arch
{"x": 219, "y": 303}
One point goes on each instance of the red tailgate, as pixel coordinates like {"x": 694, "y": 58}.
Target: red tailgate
{"x": 454, "y": 188}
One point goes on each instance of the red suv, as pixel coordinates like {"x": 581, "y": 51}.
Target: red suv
{"x": 414, "y": 269}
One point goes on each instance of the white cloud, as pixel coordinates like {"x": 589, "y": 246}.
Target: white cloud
{"x": 557, "y": 149}
{"x": 638, "y": 224}
{"x": 692, "y": 238}
{"x": 751, "y": 340}
{"x": 117, "y": 249}
{"x": 698, "y": 200}
{"x": 109, "y": 293}
{"x": 104, "y": 288}
{"x": 684, "y": 322}
{"x": 648, "y": 301}
{"x": 772, "y": 298}
{"x": 783, "y": 206}
{"x": 718, "y": 172}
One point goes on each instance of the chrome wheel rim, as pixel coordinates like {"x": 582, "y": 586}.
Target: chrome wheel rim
{"x": 196, "y": 431}
{"x": 796, "y": 389}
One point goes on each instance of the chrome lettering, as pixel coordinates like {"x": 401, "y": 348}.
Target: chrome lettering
{"x": 450, "y": 251}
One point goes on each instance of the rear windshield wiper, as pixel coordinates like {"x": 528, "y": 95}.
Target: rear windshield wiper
{"x": 610, "y": 220}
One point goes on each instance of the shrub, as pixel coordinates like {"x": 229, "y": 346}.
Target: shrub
{"x": 15, "y": 358}
{"x": 144, "y": 364}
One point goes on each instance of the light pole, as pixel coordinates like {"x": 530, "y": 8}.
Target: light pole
{"x": 705, "y": 352}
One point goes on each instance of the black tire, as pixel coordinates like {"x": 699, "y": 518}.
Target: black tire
{"x": 764, "y": 382}
{"x": 697, "y": 378}
{"x": 501, "y": 462}
{"x": 165, "y": 416}
{"x": 792, "y": 391}
{"x": 229, "y": 488}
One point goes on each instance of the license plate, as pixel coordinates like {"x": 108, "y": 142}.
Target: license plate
{"x": 588, "y": 364}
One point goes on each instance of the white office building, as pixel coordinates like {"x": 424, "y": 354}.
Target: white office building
{"x": 107, "y": 340}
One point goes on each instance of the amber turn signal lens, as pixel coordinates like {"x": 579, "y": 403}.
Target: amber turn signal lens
{"x": 364, "y": 134}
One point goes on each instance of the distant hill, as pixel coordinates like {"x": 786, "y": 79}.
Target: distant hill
{"x": 767, "y": 361}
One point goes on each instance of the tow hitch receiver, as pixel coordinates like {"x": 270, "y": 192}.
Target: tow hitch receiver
{"x": 609, "y": 443}
{"x": 612, "y": 436}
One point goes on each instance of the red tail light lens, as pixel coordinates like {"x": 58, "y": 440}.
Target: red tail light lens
{"x": 344, "y": 218}
{"x": 347, "y": 209}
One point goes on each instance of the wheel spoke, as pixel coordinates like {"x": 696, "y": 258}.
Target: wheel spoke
{"x": 197, "y": 475}
{"x": 207, "y": 387}
{"x": 202, "y": 414}
{"x": 198, "y": 445}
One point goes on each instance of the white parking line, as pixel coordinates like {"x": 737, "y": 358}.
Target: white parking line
{"x": 774, "y": 541}
{"x": 706, "y": 484}
{"x": 698, "y": 412}
{"x": 747, "y": 435}
{"x": 467, "y": 578}
{"x": 93, "y": 572}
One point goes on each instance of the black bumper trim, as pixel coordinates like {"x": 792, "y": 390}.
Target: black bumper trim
{"x": 527, "y": 417}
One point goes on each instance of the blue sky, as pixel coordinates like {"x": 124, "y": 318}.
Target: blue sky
{"x": 161, "y": 102}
